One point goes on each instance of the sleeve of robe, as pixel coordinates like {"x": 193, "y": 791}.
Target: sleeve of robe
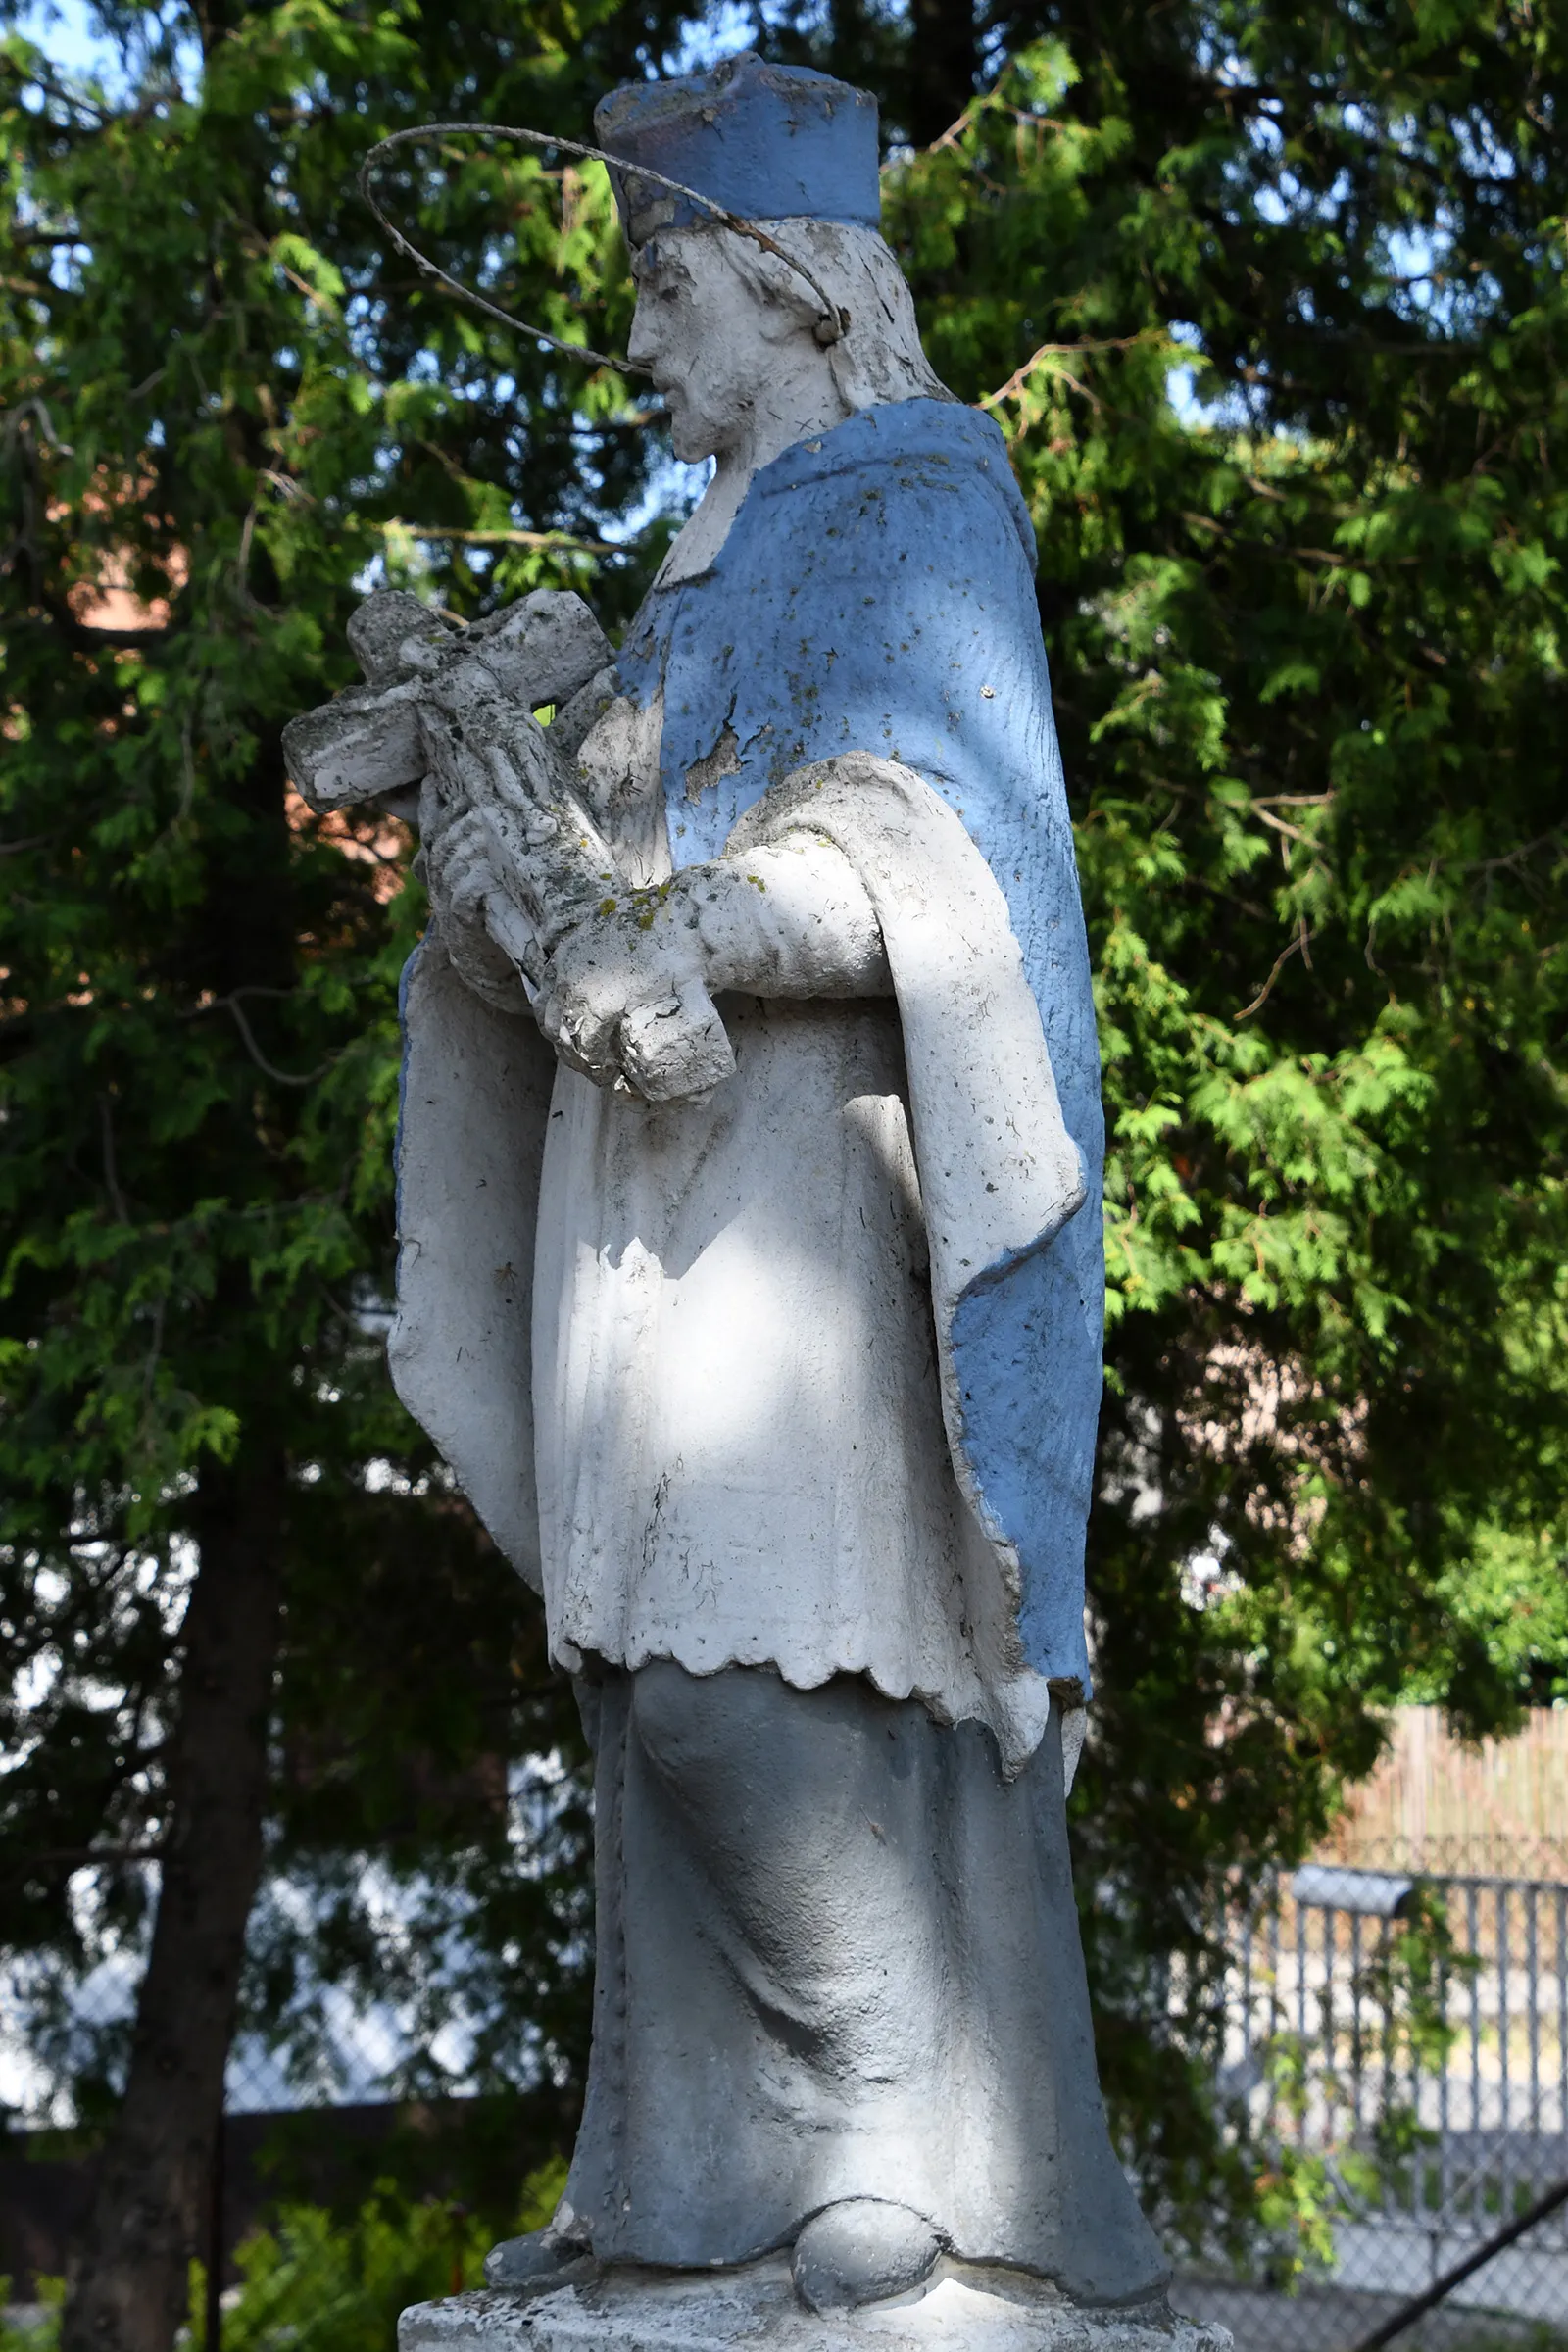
{"x": 473, "y": 1107}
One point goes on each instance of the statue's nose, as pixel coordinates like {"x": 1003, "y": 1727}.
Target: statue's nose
{"x": 641, "y": 346}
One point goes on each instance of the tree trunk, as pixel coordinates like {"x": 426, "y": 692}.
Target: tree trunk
{"x": 944, "y": 60}
{"x": 129, "y": 2291}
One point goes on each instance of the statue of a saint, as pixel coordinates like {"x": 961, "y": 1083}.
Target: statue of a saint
{"x": 784, "y": 1388}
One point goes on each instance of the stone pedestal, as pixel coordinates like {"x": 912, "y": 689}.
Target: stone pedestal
{"x": 625, "y": 2310}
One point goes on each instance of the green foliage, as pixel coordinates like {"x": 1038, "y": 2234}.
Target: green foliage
{"x": 40, "y": 2331}
{"x": 322, "y": 2281}
{"x": 221, "y": 413}
{"x": 1305, "y": 624}
{"x": 314, "y": 2280}
{"x": 1307, "y": 627}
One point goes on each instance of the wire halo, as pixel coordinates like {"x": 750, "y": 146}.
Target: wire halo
{"x": 833, "y": 321}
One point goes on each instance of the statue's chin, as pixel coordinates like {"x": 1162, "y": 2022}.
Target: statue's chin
{"x": 690, "y": 439}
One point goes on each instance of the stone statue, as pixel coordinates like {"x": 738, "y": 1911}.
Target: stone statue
{"x": 751, "y": 1274}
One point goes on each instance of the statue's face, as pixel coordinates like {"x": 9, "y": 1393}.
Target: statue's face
{"x": 708, "y": 340}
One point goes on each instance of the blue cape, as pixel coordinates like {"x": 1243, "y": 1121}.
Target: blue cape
{"x": 876, "y": 594}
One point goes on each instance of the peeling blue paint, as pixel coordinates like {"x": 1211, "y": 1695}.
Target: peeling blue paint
{"x": 769, "y": 141}
{"x": 894, "y": 558}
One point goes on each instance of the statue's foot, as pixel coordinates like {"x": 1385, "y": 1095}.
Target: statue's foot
{"x": 860, "y": 2251}
{"x": 544, "y": 2259}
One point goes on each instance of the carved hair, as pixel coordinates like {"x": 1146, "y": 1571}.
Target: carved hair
{"x": 880, "y": 359}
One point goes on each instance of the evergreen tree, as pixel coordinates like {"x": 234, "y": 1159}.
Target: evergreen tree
{"x": 1306, "y": 632}
{"x": 1305, "y": 629}
{"x": 239, "y": 1601}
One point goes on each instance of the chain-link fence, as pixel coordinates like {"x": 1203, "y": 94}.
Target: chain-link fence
{"x": 319, "y": 2222}
{"x": 1401, "y": 2047}
{"x": 1396, "y": 2047}
{"x": 370, "y": 2149}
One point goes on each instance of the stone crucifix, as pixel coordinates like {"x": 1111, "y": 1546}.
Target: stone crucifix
{"x": 773, "y": 1360}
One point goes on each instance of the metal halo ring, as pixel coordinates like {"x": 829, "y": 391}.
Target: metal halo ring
{"x": 832, "y": 322}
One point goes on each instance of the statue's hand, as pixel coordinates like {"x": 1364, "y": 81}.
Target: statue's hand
{"x": 460, "y": 876}
{"x": 612, "y": 980}
{"x": 628, "y": 992}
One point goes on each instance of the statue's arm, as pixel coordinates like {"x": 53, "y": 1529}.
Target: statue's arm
{"x": 788, "y": 919}
{"x": 791, "y": 918}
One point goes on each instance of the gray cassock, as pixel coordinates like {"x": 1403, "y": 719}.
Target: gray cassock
{"x": 837, "y": 1947}
{"x": 838, "y": 1952}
